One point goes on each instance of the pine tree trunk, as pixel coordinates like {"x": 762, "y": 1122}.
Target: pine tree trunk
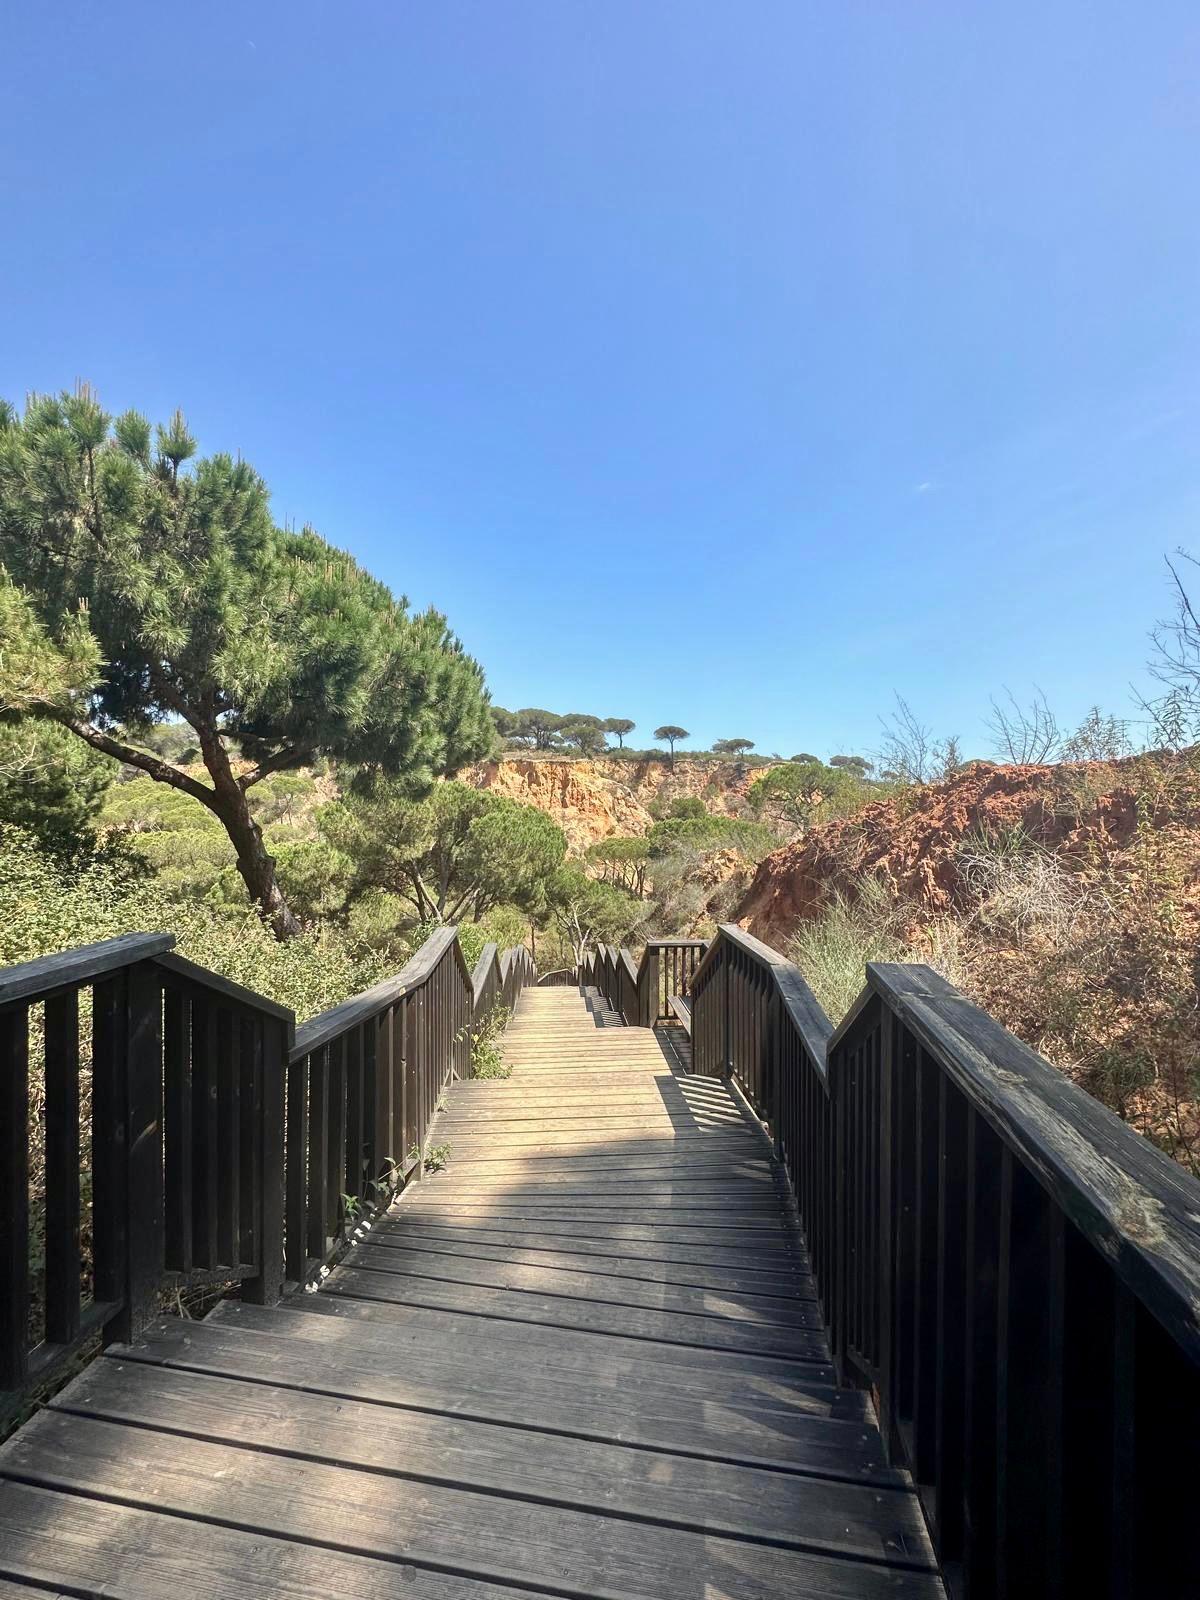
{"x": 257, "y": 868}
{"x": 255, "y": 863}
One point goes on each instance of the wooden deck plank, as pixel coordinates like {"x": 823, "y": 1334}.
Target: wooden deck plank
{"x": 579, "y": 1283}
{"x": 443, "y": 1450}
{"x": 807, "y": 1428}
{"x": 562, "y": 1311}
{"x": 146, "y": 1555}
{"x": 585, "y": 1361}
{"x": 507, "y": 1540}
{"x": 729, "y": 1273}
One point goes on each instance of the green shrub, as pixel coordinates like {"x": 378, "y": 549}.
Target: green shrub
{"x": 52, "y": 905}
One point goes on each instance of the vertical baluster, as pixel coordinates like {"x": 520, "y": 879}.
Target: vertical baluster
{"x": 62, "y": 1165}
{"x": 980, "y": 1357}
{"x": 229, "y": 1142}
{"x": 335, "y": 1161}
{"x": 205, "y": 1160}
{"x": 924, "y": 1338}
{"x": 402, "y": 1071}
{"x": 177, "y": 1128}
{"x": 297, "y": 1169}
{"x": 110, "y": 1134}
{"x": 905, "y": 1123}
{"x": 387, "y": 1153}
{"x": 249, "y": 1030}
{"x": 1029, "y": 1391}
{"x": 263, "y": 1289}
{"x": 318, "y": 1153}
{"x": 952, "y": 1290}
{"x": 14, "y": 1193}
{"x": 355, "y": 1112}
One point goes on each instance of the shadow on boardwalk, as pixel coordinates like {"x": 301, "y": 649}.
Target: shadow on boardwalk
{"x": 585, "y": 1361}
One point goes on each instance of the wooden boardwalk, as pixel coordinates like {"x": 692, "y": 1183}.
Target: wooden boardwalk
{"x": 583, "y": 1361}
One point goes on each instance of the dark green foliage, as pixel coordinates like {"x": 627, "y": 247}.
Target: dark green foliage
{"x": 672, "y": 735}
{"x": 51, "y": 783}
{"x": 149, "y": 592}
{"x": 587, "y": 912}
{"x": 801, "y": 793}
{"x": 687, "y": 807}
{"x": 583, "y": 733}
{"x": 704, "y": 833}
{"x": 622, "y": 862}
{"x": 577, "y": 731}
{"x": 459, "y": 852}
{"x": 732, "y": 747}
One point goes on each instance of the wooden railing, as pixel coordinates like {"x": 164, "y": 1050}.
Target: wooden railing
{"x": 1011, "y": 1270}
{"x": 641, "y": 991}
{"x": 222, "y": 1143}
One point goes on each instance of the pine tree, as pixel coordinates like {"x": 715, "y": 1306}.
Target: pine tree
{"x": 143, "y": 589}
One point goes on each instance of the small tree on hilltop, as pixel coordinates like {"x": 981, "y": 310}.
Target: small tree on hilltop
{"x": 539, "y": 729}
{"x": 144, "y": 591}
{"x": 732, "y": 747}
{"x": 672, "y": 735}
{"x": 579, "y": 731}
{"x": 620, "y": 726}
{"x": 858, "y": 764}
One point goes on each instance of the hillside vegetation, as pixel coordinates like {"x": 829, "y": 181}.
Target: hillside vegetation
{"x": 1064, "y": 898}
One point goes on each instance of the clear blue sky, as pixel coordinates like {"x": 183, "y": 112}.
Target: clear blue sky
{"x": 727, "y": 364}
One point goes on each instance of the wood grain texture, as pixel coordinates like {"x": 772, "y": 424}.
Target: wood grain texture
{"x": 587, "y": 1360}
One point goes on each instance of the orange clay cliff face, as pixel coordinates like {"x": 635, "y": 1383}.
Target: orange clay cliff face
{"x": 597, "y": 799}
{"x": 1086, "y": 812}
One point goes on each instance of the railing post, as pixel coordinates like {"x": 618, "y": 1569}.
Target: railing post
{"x": 14, "y": 1193}
{"x": 726, "y": 1017}
{"x": 127, "y": 1184}
{"x": 263, "y": 1290}
{"x": 297, "y": 1168}
{"x": 648, "y": 989}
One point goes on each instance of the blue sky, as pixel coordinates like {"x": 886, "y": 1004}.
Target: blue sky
{"x": 728, "y": 364}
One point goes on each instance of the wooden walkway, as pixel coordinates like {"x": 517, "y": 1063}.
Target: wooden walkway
{"x": 584, "y": 1361}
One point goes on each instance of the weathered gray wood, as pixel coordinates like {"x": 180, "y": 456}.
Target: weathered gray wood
{"x": 709, "y": 1405}
{"x": 587, "y": 1361}
{"x": 511, "y": 1540}
{"x": 143, "y": 1555}
{"x": 731, "y": 1273}
{"x": 672, "y": 1328}
{"x": 72, "y": 968}
{"x": 445, "y": 1451}
{"x": 1137, "y": 1206}
{"x": 677, "y": 1300}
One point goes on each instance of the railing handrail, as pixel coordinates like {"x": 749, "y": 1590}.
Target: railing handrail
{"x": 236, "y": 993}
{"x": 1009, "y": 1268}
{"x": 632, "y": 981}
{"x": 1136, "y": 1205}
{"x": 225, "y": 1141}
{"x": 1139, "y": 1208}
{"x": 45, "y": 975}
{"x": 361, "y": 1007}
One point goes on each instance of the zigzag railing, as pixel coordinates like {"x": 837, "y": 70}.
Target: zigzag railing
{"x": 641, "y": 991}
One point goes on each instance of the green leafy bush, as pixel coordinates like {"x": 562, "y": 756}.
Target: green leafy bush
{"x": 52, "y": 904}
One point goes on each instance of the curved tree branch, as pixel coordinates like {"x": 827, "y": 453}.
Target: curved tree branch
{"x": 134, "y": 756}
